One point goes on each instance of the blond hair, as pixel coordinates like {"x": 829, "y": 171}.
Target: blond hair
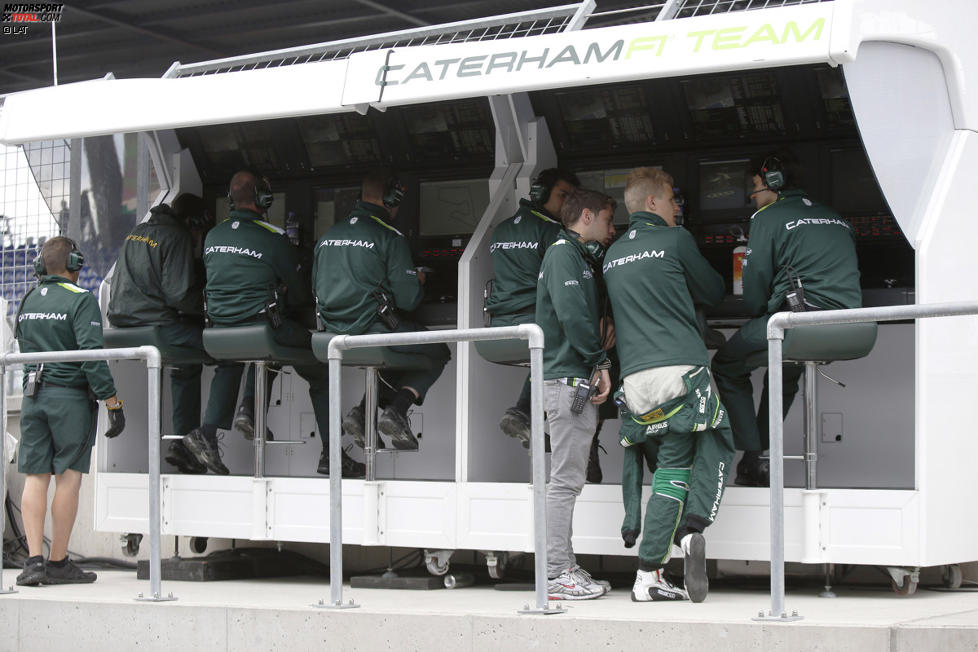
{"x": 643, "y": 182}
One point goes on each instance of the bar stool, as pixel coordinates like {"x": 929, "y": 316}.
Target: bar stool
{"x": 370, "y": 360}
{"x": 815, "y": 346}
{"x": 255, "y": 343}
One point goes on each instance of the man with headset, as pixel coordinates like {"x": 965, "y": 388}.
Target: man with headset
{"x": 670, "y": 415}
{"x": 58, "y": 415}
{"x": 157, "y": 282}
{"x": 800, "y": 256}
{"x": 576, "y": 375}
{"x": 518, "y": 246}
{"x": 364, "y": 282}
{"x": 253, "y": 276}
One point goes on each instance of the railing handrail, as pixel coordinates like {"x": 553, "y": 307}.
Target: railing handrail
{"x": 776, "y": 326}
{"x": 535, "y": 341}
{"x": 153, "y": 359}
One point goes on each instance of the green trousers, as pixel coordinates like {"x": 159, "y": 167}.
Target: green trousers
{"x": 690, "y": 448}
{"x": 732, "y": 374}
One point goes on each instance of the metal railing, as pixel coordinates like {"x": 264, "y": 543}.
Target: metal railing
{"x": 153, "y": 368}
{"x": 776, "y": 327}
{"x": 534, "y": 336}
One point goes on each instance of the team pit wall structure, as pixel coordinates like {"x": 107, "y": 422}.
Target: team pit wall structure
{"x": 921, "y": 141}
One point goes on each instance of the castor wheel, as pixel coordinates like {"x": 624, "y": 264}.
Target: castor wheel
{"x": 952, "y": 577}
{"x": 496, "y": 563}
{"x": 903, "y": 580}
{"x": 130, "y": 543}
{"x": 198, "y": 544}
{"x": 437, "y": 561}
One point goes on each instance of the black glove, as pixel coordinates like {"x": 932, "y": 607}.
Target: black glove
{"x": 629, "y": 537}
{"x": 117, "y": 421}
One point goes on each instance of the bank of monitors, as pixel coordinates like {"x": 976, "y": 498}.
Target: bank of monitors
{"x": 339, "y": 140}
{"x": 450, "y": 133}
{"x": 734, "y": 106}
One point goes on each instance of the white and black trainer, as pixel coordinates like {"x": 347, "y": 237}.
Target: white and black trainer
{"x": 572, "y": 586}
{"x": 652, "y": 586}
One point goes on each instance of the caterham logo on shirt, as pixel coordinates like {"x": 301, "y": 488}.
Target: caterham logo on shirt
{"x": 241, "y": 251}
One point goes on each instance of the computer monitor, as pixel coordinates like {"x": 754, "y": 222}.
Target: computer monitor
{"x": 724, "y": 185}
{"x": 612, "y": 183}
{"x": 452, "y": 207}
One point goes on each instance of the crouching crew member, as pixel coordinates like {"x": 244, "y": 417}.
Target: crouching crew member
{"x": 59, "y": 415}
{"x": 575, "y": 372}
{"x": 800, "y": 256}
{"x": 518, "y": 246}
{"x": 254, "y": 276}
{"x": 655, "y": 275}
{"x": 157, "y": 282}
{"x": 364, "y": 281}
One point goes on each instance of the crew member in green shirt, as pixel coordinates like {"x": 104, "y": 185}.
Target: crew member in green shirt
{"x": 569, "y": 312}
{"x": 158, "y": 281}
{"x": 254, "y": 276}
{"x": 655, "y": 275}
{"x": 517, "y": 249}
{"x": 794, "y": 241}
{"x": 365, "y": 282}
{"x": 58, "y": 416}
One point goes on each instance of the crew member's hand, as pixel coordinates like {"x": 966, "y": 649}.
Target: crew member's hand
{"x": 421, "y": 276}
{"x": 608, "y": 328}
{"x": 629, "y": 537}
{"x": 117, "y": 418}
{"x": 604, "y": 387}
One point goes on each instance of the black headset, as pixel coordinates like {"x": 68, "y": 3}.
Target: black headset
{"x": 394, "y": 192}
{"x": 74, "y": 262}
{"x": 772, "y": 171}
{"x": 541, "y": 187}
{"x": 263, "y": 194}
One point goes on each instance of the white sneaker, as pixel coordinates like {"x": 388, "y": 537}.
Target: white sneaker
{"x": 571, "y": 586}
{"x": 585, "y": 577}
{"x": 652, "y": 586}
{"x": 694, "y": 566}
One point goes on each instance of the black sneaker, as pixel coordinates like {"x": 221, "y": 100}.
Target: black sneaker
{"x": 68, "y": 574}
{"x": 178, "y": 456}
{"x": 594, "y": 475}
{"x": 756, "y": 473}
{"x": 244, "y": 422}
{"x": 350, "y": 468}
{"x": 516, "y": 423}
{"x": 395, "y": 425}
{"x": 205, "y": 451}
{"x": 33, "y": 573}
{"x": 353, "y": 425}
{"x": 694, "y": 566}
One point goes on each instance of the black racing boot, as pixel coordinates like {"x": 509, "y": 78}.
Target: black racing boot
{"x": 206, "y": 451}
{"x": 350, "y": 468}
{"x": 178, "y": 456}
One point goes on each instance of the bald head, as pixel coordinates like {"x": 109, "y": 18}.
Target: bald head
{"x": 242, "y": 190}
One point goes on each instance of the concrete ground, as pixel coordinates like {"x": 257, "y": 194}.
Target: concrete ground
{"x": 278, "y": 615}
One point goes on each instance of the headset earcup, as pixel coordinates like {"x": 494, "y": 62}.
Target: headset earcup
{"x": 76, "y": 260}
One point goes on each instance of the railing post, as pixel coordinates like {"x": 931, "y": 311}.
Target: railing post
{"x": 3, "y": 462}
{"x": 335, "y": 481}
{"x": 153, "y": 373}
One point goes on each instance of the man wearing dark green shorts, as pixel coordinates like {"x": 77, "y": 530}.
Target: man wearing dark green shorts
{"x": 794, "y": 241}
{"x": 517, "y": 249}
{"x": 655, "y": 275}
{"x": 58, "y": 417}
{"x": 158, "y": 281}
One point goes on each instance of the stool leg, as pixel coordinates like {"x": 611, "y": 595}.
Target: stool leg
{"x": 260, "y": 419}
{"x": 811, "y": 427}
{"x": 370, "y": 423}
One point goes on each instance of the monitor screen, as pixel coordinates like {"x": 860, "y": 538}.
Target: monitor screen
{"x": 734, "y": 106}
{"x": 451, "y": 131}
{"x": 333, "y": 204}
{"x": 612, "y": 183}
{"x": 724, "y": 185}
{"x": 339, "y": 139}
{"x": 452, "y": 207}
{"x": 617, "y": 117}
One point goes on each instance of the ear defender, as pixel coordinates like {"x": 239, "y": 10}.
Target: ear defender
{"x": 772, "y": 171}
{"x": 394, "y": 192}
{"x": 540, "y": 189}
{"x": 73, "y": 263}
